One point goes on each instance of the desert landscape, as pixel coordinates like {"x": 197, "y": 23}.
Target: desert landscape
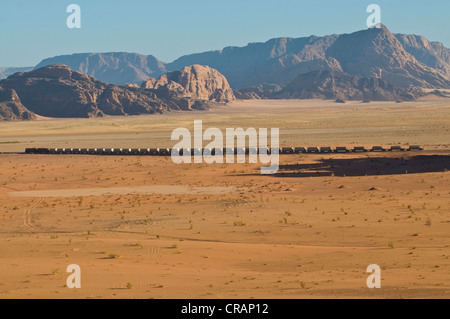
{"x": 354, "y": 98}
{"x": 143, "y": 227}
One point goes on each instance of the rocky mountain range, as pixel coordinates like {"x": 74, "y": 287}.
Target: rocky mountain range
{"x": 58, "y": 91}
{"x": 403, "y": 60}
{"x": 372, "y": 64}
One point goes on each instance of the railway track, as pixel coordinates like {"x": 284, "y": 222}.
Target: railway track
{"x": 235, "y": 151}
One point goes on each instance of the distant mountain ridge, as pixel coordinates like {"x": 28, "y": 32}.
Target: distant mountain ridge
{"x": 116, "y": 67}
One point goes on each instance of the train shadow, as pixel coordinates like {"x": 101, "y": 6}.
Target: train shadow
{"x": 367, "y": 166}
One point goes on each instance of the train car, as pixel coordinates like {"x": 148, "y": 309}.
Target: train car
{"x": 341, "y": 149}
{"x": 299, "y": 150}
{"x": 378, "y": 149}
{"x": 313, "y": 149}
{"x": 275, "y": 150}
{"x": 179, "y": 151}
{"x": 326, "y": 149}
{"x": 217, "y": 152}
{"x": 31, "y": 151}
{"x": 164, "y": 152}
{"x": 135, "y": 151}
{"x": 125, "y": 151}
{"x": 107, "y": 151}
{"x": 287, "y": 150}
{"x": 415, "y": 148}
{"x": 209, "y": 151}
{"x": 359, "y": 149}
{"x": 229, "y": 151}
{"x": 116, "y": 151}
{"x": 43, "y": 151}
{"x": 251, "y": 151}
{"x": 196, "y": 151}
{"x": 396, "y": 148}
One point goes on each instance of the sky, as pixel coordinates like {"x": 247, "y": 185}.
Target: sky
{"x": 31, "y": 30}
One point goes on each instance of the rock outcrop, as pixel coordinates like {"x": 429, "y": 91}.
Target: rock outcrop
{"x": 195, "y": 81}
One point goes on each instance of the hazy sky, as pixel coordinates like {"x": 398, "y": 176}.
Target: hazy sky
{"x": 31, "y": 30}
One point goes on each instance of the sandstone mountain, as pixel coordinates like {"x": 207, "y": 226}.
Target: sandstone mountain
{"x": 368, "y": 53}
{"x": 58, "y": 91}
{"x": 11, "y": 108}
{"x": 343, "y": 86}
{"x": 196, "y": 81}
{"x": 116, "y": 68}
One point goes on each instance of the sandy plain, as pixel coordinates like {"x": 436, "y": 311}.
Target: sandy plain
{"x": 143, "y": 227}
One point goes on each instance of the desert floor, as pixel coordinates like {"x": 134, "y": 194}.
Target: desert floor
{"x": 143, "y": 227}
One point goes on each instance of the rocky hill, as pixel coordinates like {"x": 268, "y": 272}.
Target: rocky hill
{"x": 58, "y": 91}
{"x": 196, "y": 81}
